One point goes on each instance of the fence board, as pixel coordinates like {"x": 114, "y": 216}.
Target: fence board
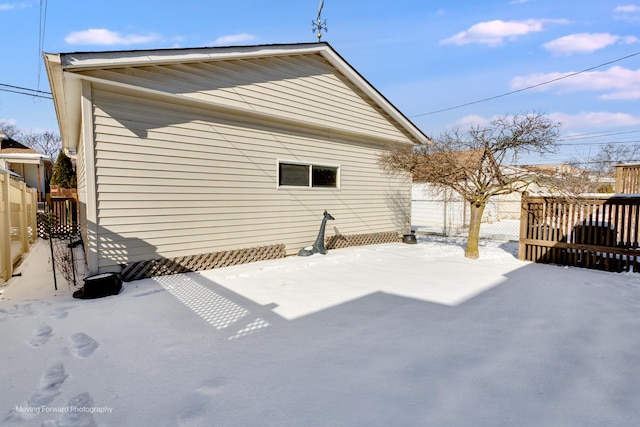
{"x": 63, "y": 213}
{"x": 18, "y": 207}
{"x": 627, "y": 179}
{"x": 598, "y": 233}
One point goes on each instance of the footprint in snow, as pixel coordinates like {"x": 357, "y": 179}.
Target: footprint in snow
{"x": 82, "y": 345}
{"x": 50, "y": 383}
{"x": 15, "y": 310}
{"x": 57, "y": 312}
{"x": 76, "y": 418}
{"x": 47, "y": 390}
{"x": 41, "y": 336}
{"x": 197, "y": 408}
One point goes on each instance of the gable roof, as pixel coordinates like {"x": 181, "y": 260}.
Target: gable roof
{"x": 10, "y": 148}
{"x": 10, "y": 145}
{"x": 457, "y": 164}
{"x": 68, "y": 70}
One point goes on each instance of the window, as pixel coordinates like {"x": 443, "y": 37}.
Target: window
{"x": 307, "y": 175}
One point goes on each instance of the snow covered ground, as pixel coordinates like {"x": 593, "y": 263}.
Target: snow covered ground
{"x": 382, "y": 335}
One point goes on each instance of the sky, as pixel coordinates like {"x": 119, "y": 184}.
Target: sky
{"x": 444, "y": 64}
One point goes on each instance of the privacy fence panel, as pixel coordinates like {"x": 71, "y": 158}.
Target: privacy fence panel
{"x": 627, "y": 179}
{"x": 18, "y": 205}
{"x": 443, "y": 211}
{"x": 597, "y": 233}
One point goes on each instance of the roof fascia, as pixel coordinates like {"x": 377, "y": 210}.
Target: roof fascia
{"x": 91, "y": 60}
{"x": 67, "y": 102}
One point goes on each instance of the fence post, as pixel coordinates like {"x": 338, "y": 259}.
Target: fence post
{"x": 524, "y": 225}
{"x": 6, "y": 266}
{"x": 24, "y": 223}
{"x": 33, "y": 215}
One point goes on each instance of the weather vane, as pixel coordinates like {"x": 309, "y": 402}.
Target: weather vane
{"x": 320, "y": 24}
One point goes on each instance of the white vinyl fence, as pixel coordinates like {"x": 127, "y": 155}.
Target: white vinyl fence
{"x": 443, "y": 211}
{"x": 18, "y": 226}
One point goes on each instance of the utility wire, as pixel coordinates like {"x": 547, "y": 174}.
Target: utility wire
{"x": 595, "y": 135}
{"x": 568, "y": 144}
{"x": 41, "y": 34}
{"x": 528, "y": 87}
{"x": 25, "y": 91}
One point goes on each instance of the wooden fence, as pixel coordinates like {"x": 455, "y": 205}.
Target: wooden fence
{"x": 627, "y": 179}
{"x": 61, "y": 218}
{"x": 599, "y": 232}
{"x": 18, "y": 229}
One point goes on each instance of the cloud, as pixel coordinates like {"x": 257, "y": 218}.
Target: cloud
{"x": 494, "y": 33}
{"x": 471, "y": 120}
{"x": 235, "y": 38}
{"x": 619, "y": 83}
{"x": 13, "y": 6}
{"x": 101, "y": 36}
{"x": 630, "y": 8}
{"x": 630, "y": 12}
{"x": 585, "y": 43}
{"x": 519, "y": 1}
{"x": 594, "y": 120}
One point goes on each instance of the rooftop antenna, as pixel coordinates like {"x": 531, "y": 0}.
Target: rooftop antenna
{"x": 320, "y": 24}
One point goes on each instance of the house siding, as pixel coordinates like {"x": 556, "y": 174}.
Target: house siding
{"x": 306, "y": 87}
{"x": 81, "y": 181}
{"x": 174, "y": 180}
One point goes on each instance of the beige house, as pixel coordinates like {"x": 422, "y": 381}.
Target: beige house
{"x": 215, "y": 153}
{"x": 34, "y": 168}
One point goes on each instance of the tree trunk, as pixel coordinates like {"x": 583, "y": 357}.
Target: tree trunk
{"x": 472, "y": 251}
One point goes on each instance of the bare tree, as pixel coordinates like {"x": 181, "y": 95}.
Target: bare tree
{"x": 46, "y": 142}
{"x": 480, "y": 162}
{"x": 597, "y": 172}
{"x": 604, "y": 162}
{"x": 10, "y": 129}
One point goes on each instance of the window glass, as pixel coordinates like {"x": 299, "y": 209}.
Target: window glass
{"x": 297, "y": 175}
{"x": 324, "y": 176}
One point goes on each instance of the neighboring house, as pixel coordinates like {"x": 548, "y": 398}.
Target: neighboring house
{"x": 585, "y": 181}
{"x": 558, "y": 168}
{"x": 35, "y": 168}
{"x": 12, "y": 174}
{"x": 185, "y": 152}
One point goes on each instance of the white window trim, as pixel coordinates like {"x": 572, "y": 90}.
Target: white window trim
{"x": 310, "y": 186}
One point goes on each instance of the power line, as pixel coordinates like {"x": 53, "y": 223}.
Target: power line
{"x": 25, "y": 91}
{"x": 528, "y": 87}
{"x": 41, "y": 33}
{"x": 595, "y": 135}
{"x": 598, "y": 143}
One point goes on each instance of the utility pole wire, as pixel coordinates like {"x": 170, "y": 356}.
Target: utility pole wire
{"x": 25, "y": 91}
{"x": 41, "y": 29}
{"x": 528, "y": 87}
